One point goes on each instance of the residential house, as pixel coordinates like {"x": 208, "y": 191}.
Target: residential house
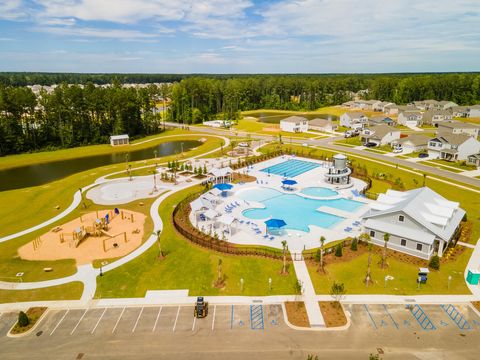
{"x": 412, "y": 143}
{"x": 474, "y": 160}
{"x": 452, "y": 147}
{"x": 381, "y": 119}
{"x": 323, "y": 125}
{"x": 445, "y": 105}
{"x": 458, "y": 127}
{"x": 474, "y": 111}
{"x": 419, "y": 222}
{"x": 380, "y": 106}
{"x": 380, "y": 134}
{"x": 410, "y": 118}
{"x": 396, "y": 109}
{"x": 354, "y": 120}
{"x": 349, "y": 104}
{"x": 460, "y": 111}
{"x": 433, "y": 117}
{"x": 294, "y": 124}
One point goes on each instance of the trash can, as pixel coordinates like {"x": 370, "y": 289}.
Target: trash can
{"x": 423, "y": 275}
{"x": 473, "y": 277}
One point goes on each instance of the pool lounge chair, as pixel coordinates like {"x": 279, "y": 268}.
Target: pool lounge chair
{"x": 271, "y": 238}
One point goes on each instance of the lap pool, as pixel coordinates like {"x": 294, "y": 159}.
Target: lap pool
{"x": 291, "y": 168}
{"x": 298, "y": 212}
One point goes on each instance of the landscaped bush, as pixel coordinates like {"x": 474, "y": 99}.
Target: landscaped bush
{"x": 23, "y": 319}
{"x": 435, "y": 262}
{"x": 339, "y": 250}
{"x": 354, "y": 244}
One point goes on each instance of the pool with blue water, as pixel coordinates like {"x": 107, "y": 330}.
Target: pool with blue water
{"x": 291, "y": 168}
{"x": 297, "y": 211}
{"x": 319, "y": 192}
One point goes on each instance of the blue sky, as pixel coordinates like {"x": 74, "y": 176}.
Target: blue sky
{"x": 240, "y": 36}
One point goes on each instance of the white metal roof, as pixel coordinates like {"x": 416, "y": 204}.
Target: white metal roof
{"x": 400, "y": 231}
{"x": 210, "y": 213}
{"x": 119, "y": 137}
{"x": 226, "y": 219}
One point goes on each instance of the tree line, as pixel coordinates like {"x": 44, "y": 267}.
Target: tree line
{"x": 74, "y": 115}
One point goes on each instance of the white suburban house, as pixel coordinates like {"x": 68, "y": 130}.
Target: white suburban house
{"x": 380, "y": 106}
{"x": 460, "y": 111}
{"x": 323, "y": 125}
{"x": 380, "y": 134}
{"x": 420, "y": 222}
{"x": 412, "y": 143}
{"x": 410, "y": 118}
{"x": 433, "y": 117}
{"x": 458, "y": 127}
{"x": 353, "y": 120}
{"x": 396, "y": 109}
{"x": 474, "y": 160}
{"x": 381, "y": 119}
{"x": 445, "y": 104}
{"x": 452, "y": 147}
{"x": 294, "y": 124}
{"x": 117, "y": 140}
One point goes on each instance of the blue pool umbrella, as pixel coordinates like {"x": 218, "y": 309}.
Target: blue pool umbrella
{"x": 289, "y": 182}
{"x": 275, "y": 223}
{"x": 223, "y": 186}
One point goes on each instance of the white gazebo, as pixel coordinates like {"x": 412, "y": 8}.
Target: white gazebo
{"x": 221, "y": 175}
{"x": 117, "y": 140}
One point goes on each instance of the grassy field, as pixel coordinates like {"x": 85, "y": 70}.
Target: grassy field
{"x": 187, "y": 266}
{"x": 461, "y": 165}
{"x": 353, "y": 141}
{"x": 352, "y": 274}
{"x": 37, "y": 204}
{"x": 441, "y": 166}
{"x": 472, "y": 120}
{"x": 70, "y": 291}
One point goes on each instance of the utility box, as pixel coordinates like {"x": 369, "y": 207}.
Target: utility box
{"x": 473, "y": 277}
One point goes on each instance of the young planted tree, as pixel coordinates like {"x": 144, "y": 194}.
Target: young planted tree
{"x": 386, "y": 237}
{"x": 322, "y": 244}
{"x": 158, "y": 234}
{"x": 337, "y": 291}
{"x": 366, "y": 238}
{"x": 339, "y": 250}
{"x": 23, "y": 319}
{"x": 219, "y": 282}
{"x": 284, "y": 268}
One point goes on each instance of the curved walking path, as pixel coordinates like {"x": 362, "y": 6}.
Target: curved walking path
{"x": 77, "y": 197}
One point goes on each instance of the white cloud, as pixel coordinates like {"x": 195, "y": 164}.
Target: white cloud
{"x": 11, "y": 9}
{"x": 98, "y": 33}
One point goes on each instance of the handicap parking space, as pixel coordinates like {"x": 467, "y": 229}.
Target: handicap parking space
{"x": 273, "y": 316}
{"x": 240, "y": 317}
{"x": 7, "y": 320}
{"x": 414, "y": 317}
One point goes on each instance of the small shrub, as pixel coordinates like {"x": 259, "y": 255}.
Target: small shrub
{"x": 317, "y": 255}
{"x": 354, "y": 244}
{"x": 23, "y": 319}
{"x": 339, "y": 250}
{"x": 434, "y": 262}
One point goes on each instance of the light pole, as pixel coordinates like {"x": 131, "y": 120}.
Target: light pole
{"x": 449, "y": 281}
{"x": 269, "y": 284}
{"x": 241, "y": 285}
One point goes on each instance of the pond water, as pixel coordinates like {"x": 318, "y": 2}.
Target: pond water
{"x": 39, "y": 174}
{"x": 274, "y": 118}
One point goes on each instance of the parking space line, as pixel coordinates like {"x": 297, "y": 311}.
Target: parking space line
{"x": 390, "y": 315}
{"x": 99, "y": 319}
{"x": 118, "y": 320}
{"x": 193, "y": 325}
{"x": 231, "y": 319}
{"x": 138, "y": 318}
{"x": 176, "y": 318}
{"x": 156, "y": 320}
{"x": 370, "y": 316}
{"x": 214, "y": 312}
{"x": 79, "y": 321}
{"x": 58, "y": 324}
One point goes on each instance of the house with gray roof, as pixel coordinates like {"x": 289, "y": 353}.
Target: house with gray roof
{"x": 381, "y": 119}
{"x": 452, "y": 147}
{"x": 412, "y": 143}
{"x": 380, "y": 106}
{"x": 433, "y": 117}
{"x": 460, "y": 111}
{"x": 474, "y": 111}
{"x": 380, "y": 134}
{"x": 420, "y": 222}
{"x": 410, "y": 118}
{"x": 353, "y": 120}
{"x": 294, "y": 124}
{"x": 458, "y": 127}
{"x": 323, "y": 125}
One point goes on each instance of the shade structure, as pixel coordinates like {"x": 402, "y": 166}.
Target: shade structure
{"x": 289, "y": 182}
{"x": 275, "y": 223}
{"x": 223, "y": 186}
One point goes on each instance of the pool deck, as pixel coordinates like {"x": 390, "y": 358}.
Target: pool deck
{"x": 251, "y": 232}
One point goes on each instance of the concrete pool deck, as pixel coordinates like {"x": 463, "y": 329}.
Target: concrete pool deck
{"x": 245, "y": 230}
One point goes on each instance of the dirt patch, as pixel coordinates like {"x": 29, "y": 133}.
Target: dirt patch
{"x": 297, "y": 313}
{"x": 271, "y": 129}
{"x": 237, "y": 177}
{"x": 89, "y": 238}
{"x": 476, "y": 304}
{"x": 33, "y": 315}
{"x": 333, "y": 313}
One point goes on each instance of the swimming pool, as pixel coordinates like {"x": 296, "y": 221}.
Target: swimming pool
{"x": 298, "y": 212}
{"x": 291, "y": 168}
{"x": 319, "y": 192}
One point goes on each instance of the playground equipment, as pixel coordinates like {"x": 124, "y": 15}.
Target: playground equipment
{"x": 201, "y": 308}
{"x": 37, "y": 243}
{"x": 127, "y": 215}
{"x": 113, "y": 237}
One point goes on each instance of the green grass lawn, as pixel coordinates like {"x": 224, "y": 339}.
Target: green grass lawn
{"x": 70, "y": 291}
{"x": 352, "y": 273}
{"x": 461, "y": 165}
{"x": 433, "y": 163}
{"x": 187, "y": 266}
{"x": 353, "y": 141}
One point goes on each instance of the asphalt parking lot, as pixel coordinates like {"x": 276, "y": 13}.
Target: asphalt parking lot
{"x": 152, "y": 319}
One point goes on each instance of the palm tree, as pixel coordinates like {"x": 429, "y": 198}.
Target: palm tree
{"x": 366, "y": 237}
{"x": 284, "y": 245}
{"x": 158, "y": 233}
{"x": 386, "y": 237}
{"x": 219, "y": 272}
{"x": 322, "y": 243}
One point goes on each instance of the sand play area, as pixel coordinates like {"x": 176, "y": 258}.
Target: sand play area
{"x": 96, "y": 235}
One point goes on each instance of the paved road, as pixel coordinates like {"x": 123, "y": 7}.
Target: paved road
{"x": 328, "y": 143}
{"x": 235, "y": 332}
